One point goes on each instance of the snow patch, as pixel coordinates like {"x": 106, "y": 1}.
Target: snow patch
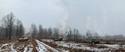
{"x": 42, "y": 44}
{"x": 40, "y": 47}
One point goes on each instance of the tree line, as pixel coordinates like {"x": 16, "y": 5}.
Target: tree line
{"x": 12, "y": 28}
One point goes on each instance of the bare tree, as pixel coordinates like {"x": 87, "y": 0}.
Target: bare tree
{"x": 56, "y": 33}
{"x": 49, "y": 33}
{"x": 69, "y": 35}
{"x": 89, "y": 35}
{"x": 76, "y": 35}
{"x": 40, "y": 33}
{"x": 45, "y": 33}
{"x": 34, "y": 31}
{"x": 8, "y": 22}
{"x": 2, "y": 32}
{"x": 19, "y": 29}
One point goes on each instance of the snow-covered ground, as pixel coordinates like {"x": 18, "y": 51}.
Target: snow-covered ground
{"x": 44, "y": 47}
{"x": 86, "y": 47}
{"x": 40, "y": 47}
{"x": 23, "y": 47}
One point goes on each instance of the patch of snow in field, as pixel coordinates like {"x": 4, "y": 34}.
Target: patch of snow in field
{"x": 30, "y": 49}
{"x": 48, "y": 40}
{"x": 7, "y": 47}
{"x": 65, "y": 51}
{"x": 12, "y": 49}
{"x": 62, "y": 50}
{"x": 71, "y": 45}
{"x": 25, "y": 49}
{"x": 96, "y": 49}
{"x": 41, "y": 43}
{"x": 85, "y": 47}
{"x": 4, "y": 45}
{"x": 40, "y": 47}
{"x": 116, "y": 46}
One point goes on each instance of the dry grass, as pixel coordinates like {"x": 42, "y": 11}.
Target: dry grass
{"x": 34, "y": 43}
{"x": 52, "y": 44}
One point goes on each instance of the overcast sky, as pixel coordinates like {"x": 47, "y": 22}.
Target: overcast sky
{"x": 102, "y": 16}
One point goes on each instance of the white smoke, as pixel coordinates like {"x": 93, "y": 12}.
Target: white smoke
{"x": 65, "y": 19}
{"x": 63, "y": 26}
{"x": 64, "y": 22}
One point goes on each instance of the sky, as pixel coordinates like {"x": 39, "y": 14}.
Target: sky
{"x": 101, "y": 16}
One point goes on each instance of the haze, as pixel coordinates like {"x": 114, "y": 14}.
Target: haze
{"x": 101, "y": 16}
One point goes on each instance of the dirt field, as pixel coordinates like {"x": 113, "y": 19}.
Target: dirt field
{"x": 32, "y": 45}
{"x": 63, "y": 46}
{"x": 48, "y": 45}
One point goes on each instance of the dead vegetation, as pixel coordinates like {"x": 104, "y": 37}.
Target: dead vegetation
{"x": 34, "y": 45}
{"x": 50, "y": 43}
{"x": 21, "y": 44}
